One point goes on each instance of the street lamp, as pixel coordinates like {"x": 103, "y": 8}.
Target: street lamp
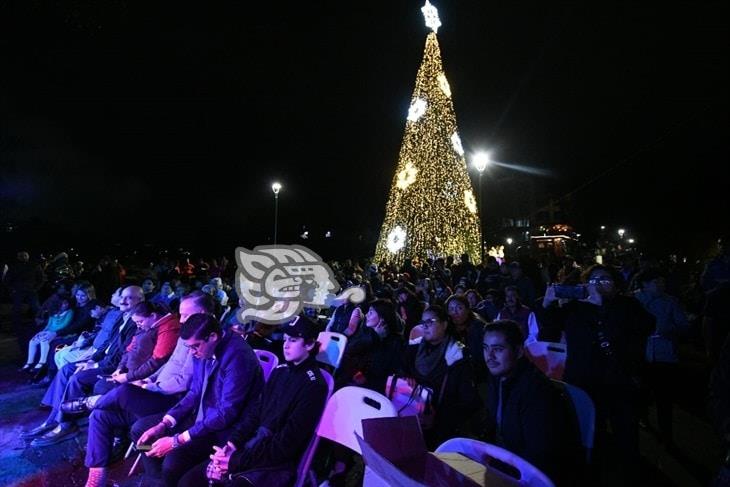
{"x": 621, "y": 232}
{"x": 481, "y": 161}
{"x": 276, "y": 187}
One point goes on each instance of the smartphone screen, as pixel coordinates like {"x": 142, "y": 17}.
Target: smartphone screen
{"x": 143, "y": 447}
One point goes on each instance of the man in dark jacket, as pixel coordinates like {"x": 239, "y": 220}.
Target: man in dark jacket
{"x": 268, "y": 442}
{"x": 227, "y": 379}
{"x": 76, "y": 380}
{"x": 528, "y": 414}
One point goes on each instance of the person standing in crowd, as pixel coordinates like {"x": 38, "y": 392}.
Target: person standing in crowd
{"x": 606, "y": 336}
{"x": 227, "y": 379}
{"x": 661, "y": 347}
{"x": 516, "y": 311}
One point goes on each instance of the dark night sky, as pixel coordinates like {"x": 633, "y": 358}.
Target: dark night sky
{"x": 168, "y": 123}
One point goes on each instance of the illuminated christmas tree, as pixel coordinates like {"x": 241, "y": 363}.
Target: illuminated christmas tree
{"x": 431, "y": 210}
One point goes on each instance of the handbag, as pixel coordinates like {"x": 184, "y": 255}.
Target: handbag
{"x": 411, "y": 401}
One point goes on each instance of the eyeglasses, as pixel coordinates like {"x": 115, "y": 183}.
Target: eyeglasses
{"x": 600, "y": 280}
{"x": 195, "y": 346}
{"x": 429, "y": 322}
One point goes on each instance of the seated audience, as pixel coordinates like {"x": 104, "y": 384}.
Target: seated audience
{"x": 268, "y": 441}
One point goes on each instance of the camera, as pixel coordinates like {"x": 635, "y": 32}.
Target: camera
{"x": 570, "y": 292}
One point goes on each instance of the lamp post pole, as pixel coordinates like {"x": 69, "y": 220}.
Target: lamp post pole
{"x": 481, "y": 161}
{"x": 276, "y": 187}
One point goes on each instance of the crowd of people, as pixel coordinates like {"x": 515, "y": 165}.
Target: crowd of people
{"x": 155, "y": 354}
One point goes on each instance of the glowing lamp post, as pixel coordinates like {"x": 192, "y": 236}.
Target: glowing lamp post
{"x": 276, "y": 187}
{"x": 481, "y": 161}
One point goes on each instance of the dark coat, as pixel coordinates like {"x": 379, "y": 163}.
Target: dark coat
{"x": 235, "y": 380}
{"x": 538, "y": 421}
{"x": 109, "y": 355}
{"x": 625, "y": 326}
{"x": 457, "y": 402}
{"x": 280, "y": 425}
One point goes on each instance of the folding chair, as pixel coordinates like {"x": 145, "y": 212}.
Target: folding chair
{"x": 549, "y": 357}
{"x": 585, "y": 410}
{"x": 268, "y": 361}
{"x": 341, "y": 419}
{"x": 331, "y": 348}
{"x": 479, "y": 451}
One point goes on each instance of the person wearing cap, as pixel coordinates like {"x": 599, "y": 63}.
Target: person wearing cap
{"x": 227, "y": 381}
{"x": 268, "y": 442}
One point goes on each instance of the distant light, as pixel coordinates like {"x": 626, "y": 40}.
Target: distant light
{"x": 621, "y": 232}
{"x": 431, "y": 15}
{"x": 509, "y": 241}
{"x": 481, "y": 161}
{"x": 305, "y": 235}
{"x": 276, "y": 187}
{"x": 631, "y": 240}
{"x": 603, "y": 227}
{"x": 328, "y": 234}
{"x": 577, "y": 235}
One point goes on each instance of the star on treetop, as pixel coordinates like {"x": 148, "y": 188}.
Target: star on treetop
{"x": 431, "y": 15}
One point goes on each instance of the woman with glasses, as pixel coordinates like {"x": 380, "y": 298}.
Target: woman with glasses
{"x": 438, "y": 361}
{"x": 606, "y": 336}
{"x": 373, "y": 351}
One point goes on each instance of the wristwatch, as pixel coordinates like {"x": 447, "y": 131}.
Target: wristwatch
{"x": 175, "y": 441}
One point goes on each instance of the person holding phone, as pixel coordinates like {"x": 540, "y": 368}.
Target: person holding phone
{"x": 606, "y": 336}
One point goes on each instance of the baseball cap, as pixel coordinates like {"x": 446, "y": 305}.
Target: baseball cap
{"x": 302, "y": 327}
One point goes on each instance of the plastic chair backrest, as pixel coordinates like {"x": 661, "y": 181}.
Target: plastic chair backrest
{"x": 306, "y": 461}
{"x": 268, "y": 361}
{"x": 586, "y": 412}
{"x": 549, "y": 357}
{"x": 331, "y": 348}
{"x": 346, "y": 409}
{"x": 480, "y": 452}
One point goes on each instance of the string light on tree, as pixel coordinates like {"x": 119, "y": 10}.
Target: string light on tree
{"x": 442, "y": 217}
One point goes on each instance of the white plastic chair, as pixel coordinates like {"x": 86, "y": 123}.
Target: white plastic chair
{"x": 585, "y": 410}
{"x": 268, "y": 360}
{"x": 331, "y": 348}
{"x": 549, "y": 357}
{"x": 481, "y": 452}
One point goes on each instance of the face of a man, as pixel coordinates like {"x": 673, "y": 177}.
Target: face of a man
{"x": 510, "y": 298}
{"x": 131, "y": 297}
{"x": 202, "y": 348}
{"x": 500, "y": 357}
{"x": 296, "y": 350}
{"x": 189, "y": 307}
